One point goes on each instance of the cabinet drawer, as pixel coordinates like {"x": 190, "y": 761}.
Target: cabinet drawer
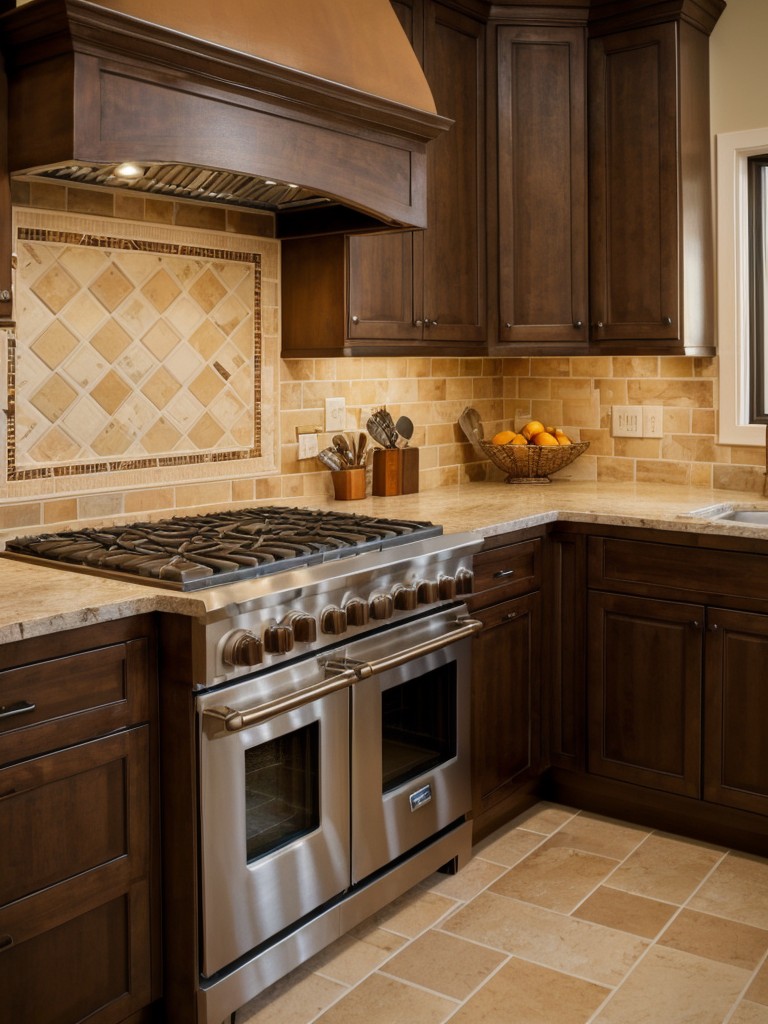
{"x": 506, "y": 571}
{"x": 669, "y": 570}
{"x": 52, "y": 703}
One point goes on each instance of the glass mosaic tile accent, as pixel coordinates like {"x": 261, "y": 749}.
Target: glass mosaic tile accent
{"x": 131, "y": 354}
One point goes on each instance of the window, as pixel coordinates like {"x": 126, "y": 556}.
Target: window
{"x": 742, "y": 280}
{"x": 757, "y": 178}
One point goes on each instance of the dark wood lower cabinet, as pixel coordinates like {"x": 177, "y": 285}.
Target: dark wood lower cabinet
{"x": 736, "y": 710}
{"x": 644, "y": 666}
{"x": 79, "y": 828}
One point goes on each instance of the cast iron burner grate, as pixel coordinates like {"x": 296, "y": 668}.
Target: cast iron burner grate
{"x": 192, "y": 552}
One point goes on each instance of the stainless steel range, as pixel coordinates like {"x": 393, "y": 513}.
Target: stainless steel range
{"x": 329, "y": 668}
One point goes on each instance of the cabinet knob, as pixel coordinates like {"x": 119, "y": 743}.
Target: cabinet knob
{"x": 355, "y": 319}
{"x": 599, "y": 324}
{"x": 667, "y": 321}
{"x": 714, "y": 627}
{"x": 418, "y": 323}
{"x": 578, "y": 324}
{"x": 433, "y": 323}
{"x": 507, "y": 324}
{"x": 695, "y": 624}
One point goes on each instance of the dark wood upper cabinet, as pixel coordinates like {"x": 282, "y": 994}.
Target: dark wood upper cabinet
{"x": 627, "y": 266}
{"x": 413, "y": 291}
{"x": 542, "y": 185}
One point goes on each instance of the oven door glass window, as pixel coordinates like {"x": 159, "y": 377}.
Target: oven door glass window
{"x": 418, "y": 719}
{"x": 282, "y": 792}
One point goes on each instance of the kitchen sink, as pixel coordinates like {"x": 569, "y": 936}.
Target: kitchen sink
{"x": 755, "y": 516}
{"x": 730, "y": 514}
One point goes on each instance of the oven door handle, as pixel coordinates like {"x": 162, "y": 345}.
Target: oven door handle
{"x": 463, "y": 627}
{"x": 351, "y": 672}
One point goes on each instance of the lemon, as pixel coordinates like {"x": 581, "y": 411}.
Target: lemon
{"x": 543, "y": 438}
{"x": 532, "y": 428}
{"x": 519, "y": 439}
{"x": 503, "y": 437}
{"x": 561, "y": 437}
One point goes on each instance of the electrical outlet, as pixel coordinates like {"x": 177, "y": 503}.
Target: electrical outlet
{"x": 653, "y": 421}
{"x": 626, "y": 421}
{"x": 335, "y": 414}
{"x": 308, "y": 447}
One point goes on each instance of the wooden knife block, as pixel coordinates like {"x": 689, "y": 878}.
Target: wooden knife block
{"x": 395, "y": 471}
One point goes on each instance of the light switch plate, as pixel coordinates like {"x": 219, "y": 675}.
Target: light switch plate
{"x": 653, "y": 425}
{"x": 335, "y": 414}
{"x": 627, "y": 421}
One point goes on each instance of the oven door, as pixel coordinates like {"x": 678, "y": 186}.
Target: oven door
{"x": 410, "y": 745}
{"x": 274, "y": 813}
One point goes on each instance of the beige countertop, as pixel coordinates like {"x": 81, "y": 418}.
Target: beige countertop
{"x": 35, "y": 600}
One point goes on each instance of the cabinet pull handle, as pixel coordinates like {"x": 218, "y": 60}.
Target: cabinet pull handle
{"x": 19, "y": 707}
{"x": 510, "y": 615}
{"x": 6, "y": 941}
{"x": 503, "y": 572}
{"x": 418, "y": 323}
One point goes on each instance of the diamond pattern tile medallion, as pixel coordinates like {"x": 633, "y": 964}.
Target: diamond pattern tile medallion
{"x": 145, "y": 352}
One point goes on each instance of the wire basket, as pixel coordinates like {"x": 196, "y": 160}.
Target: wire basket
{"x": 532, "y": 463}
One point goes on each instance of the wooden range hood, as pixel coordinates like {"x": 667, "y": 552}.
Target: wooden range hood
{"x": 222, "y": 100}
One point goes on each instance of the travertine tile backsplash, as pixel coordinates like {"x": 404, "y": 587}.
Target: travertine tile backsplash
{"x": 576, "y": 393}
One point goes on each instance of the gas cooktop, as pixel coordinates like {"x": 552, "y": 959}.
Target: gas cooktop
{"x": 193, "y": 552}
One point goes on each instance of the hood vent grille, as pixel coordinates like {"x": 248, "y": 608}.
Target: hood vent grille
{"x": 178, "y": 181}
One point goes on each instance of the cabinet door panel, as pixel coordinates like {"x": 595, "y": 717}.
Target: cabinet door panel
{"x": 644, "y": 692}
{"x": 383, "y": 274}
{"x": 633, "y": 185}
{"x": 542, "y": 185}
{"x": 736, "y": 710}
{"x": 454, "y": 246}
{"x": 506, "y": 694}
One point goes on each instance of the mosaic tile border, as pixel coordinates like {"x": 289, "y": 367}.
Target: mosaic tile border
{"x": 115, "y": 242}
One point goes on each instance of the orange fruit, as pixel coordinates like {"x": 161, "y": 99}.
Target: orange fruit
{"x": 532, "y": 428}
{"x": 503, "y": 437}
{"x": 543, "y": 438}
{"x": 519, "y": 439}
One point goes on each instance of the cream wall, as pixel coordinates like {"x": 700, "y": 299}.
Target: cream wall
{"x": 576, "y": 393}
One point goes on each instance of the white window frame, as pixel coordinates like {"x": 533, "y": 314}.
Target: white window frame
{"x": 733, "y": 150}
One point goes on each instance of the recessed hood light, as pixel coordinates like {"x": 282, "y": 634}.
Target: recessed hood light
{"x": 129, "y": 172}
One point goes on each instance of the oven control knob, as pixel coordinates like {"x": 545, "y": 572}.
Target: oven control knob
{"x": 243, "y": 649}
{"x": 382, "y": 606}
{"x": 446, "y": 586}
{"x": 427, "y": 591}
{"x": 465, "y": 581}
{"x": 405, "y": 598}
{"x": 278, "y": 639}
{"x": 357, "y": 612}
{"x": 304, "y": 627}
{"x": 333, "y": 620}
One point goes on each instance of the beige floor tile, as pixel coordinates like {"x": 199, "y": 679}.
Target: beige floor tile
{"x": 382, "y": 1000}
{"x": 414, "y": 912}
{"x": 544, "y": 818}
{"x": 716, "y": 938}
{"x": 539, "y": 996}
{"x": 671, "y": 987}
{"x": 356, "y": 954}
{"x": 295, "y": 999}
{"x": 555, "y": 877}
{"x": 467, "y": 883}
{"x": 445, "y": 963}
{"x": 758, "y": 990}
{"x": 737, "y": 889}
{"x": 577, "y": 947}
{"x": 749, "y": 1013}
{"x": 664, "y": 868}
{"x": 626, "y": 911}
{"x": 509, "y": 847}
{"x": 599, "y": 835}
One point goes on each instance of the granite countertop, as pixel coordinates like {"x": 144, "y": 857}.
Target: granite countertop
{"x": 35, "y": 600}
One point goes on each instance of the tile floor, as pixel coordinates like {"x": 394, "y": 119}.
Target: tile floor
{"x": 561, "y": 917}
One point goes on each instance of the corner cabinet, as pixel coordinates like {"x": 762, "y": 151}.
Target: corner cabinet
{"x": 414, "y": 291}
{"x": 625, "y": 264}
{"x": 79, "y": 817}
